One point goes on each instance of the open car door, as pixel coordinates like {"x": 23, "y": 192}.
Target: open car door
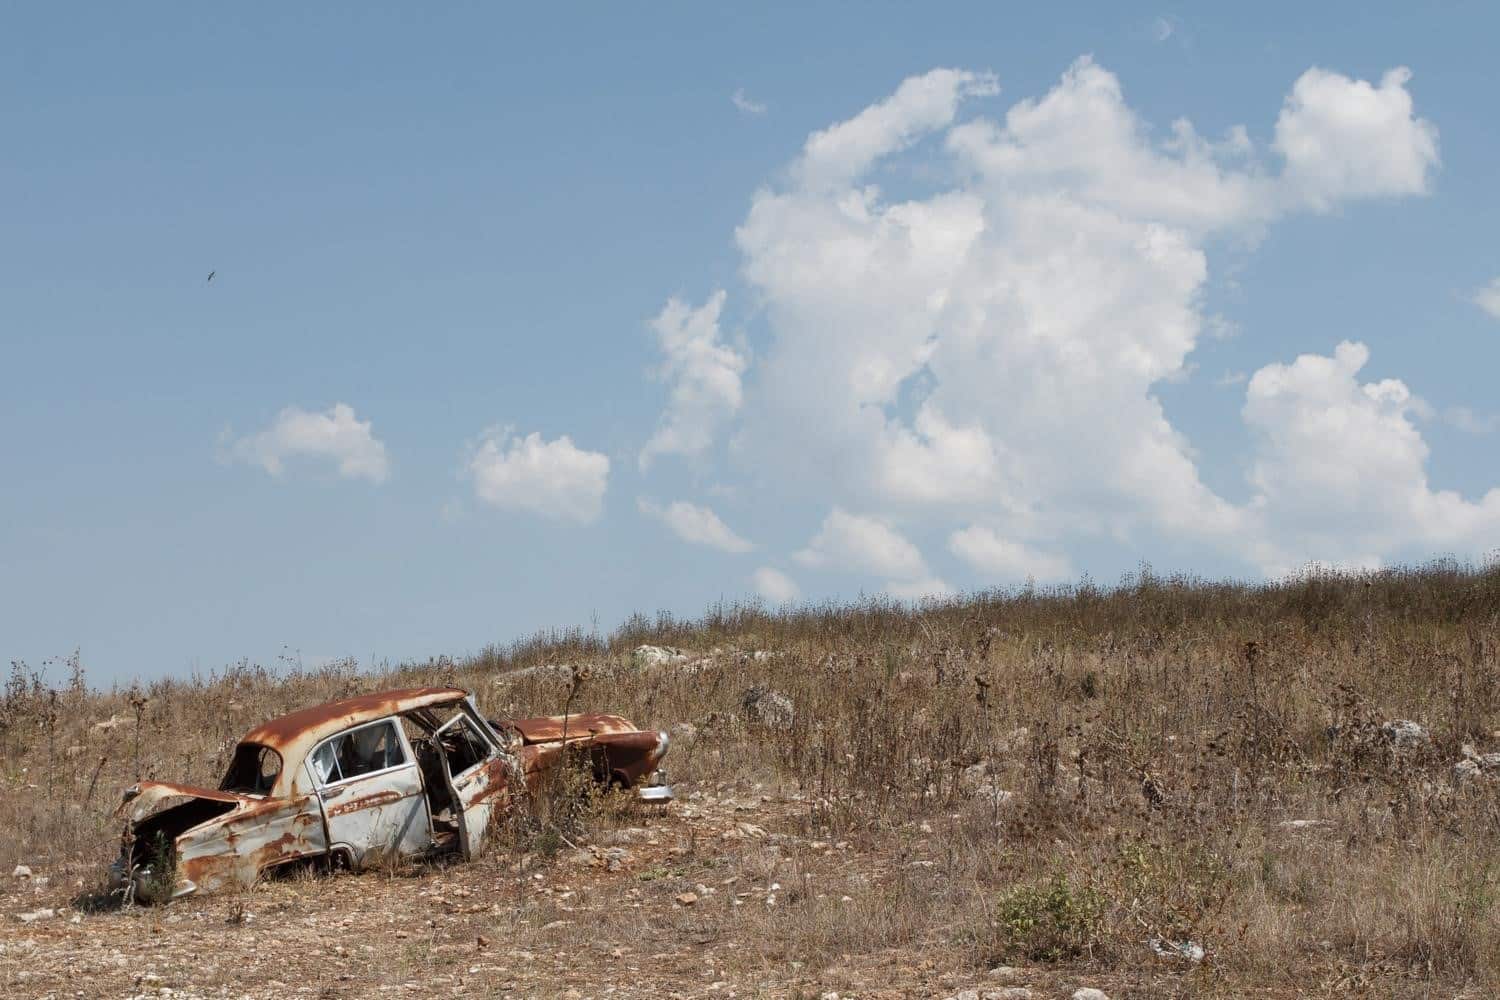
{"x": 478, "y": 776}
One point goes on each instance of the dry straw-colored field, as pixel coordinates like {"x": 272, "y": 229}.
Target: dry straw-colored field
{"x": 1045, "y": 780}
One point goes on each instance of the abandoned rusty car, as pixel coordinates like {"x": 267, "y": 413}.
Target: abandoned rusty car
{"x": 405, "y": 773}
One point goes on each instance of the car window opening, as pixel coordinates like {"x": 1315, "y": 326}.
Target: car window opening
{"x": 253, "y": 770}
{"x": 358, "y": 752}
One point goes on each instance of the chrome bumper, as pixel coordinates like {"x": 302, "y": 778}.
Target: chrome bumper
{"x": 655, "y": 789}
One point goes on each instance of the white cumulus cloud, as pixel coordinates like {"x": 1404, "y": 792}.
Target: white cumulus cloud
{"x": 1004, "y": 559}
{"x": 863, "y": 544}
{"x": 704, "y": 374}
{"x": 987, "y": 350}
{"x": 695, "y": 524}
{"x": 1340, "y": 471}
{"x": 334, "y": 435}
{"x": 774, "y": 585}
{"x": 1346, "y": 138}
{"x": 839, "y": 153}
{"x": 554, "y": 478}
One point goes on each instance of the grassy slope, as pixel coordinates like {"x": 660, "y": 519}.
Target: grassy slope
{"x": 1154, "y": 740}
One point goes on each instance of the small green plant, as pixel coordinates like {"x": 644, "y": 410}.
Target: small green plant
{"x": 1047, "y": 922}
{"x": 161, "y": 863}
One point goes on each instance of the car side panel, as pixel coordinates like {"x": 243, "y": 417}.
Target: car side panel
{"x": 378, "y": 816}
{"x": 235, "y": 850}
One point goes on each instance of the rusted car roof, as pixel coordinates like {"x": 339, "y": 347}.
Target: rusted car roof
{"x": 293, "y": 735}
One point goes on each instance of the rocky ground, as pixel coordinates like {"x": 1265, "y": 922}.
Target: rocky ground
{"x": 679, "y": 901}
{"x": 1169, "y": 789}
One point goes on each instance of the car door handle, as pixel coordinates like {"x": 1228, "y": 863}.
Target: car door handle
{"x": 333, "y": 793}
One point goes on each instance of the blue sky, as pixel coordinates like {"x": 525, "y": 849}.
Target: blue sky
{"x": 436, "y": 396}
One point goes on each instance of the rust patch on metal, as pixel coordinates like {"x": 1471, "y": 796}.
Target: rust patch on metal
{"x": 367, "y": 802}
{"x": 550, "y": 728}
{"x": 331, "y": 717}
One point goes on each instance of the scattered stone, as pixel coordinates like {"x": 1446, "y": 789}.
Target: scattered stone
{"x": 1466, "y": 771}
{"x": 1304, "y": 824}
{"x": 102, "y": 728}
{"x": 769, "y": 708}
{"x": 1404, "y": 734}
{"x": 1005, "y": 973}
{"x": 22, "y": 871}
{"x": 1013, "y": 993}
{"x": 657, "y": 656}
{"x": 687, "y": 898}
{"x": 683, "y": 732}
{"x": 1089, "y": 993}
{"x": 1190, "y": 951}
{"x": 43, "y": 914}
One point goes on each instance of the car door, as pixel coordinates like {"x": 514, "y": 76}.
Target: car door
{"x": 371, "y": 793}
{"x": 478, "y": 775}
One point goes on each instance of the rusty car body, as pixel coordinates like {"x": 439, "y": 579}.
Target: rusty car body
{"x": 392, "y": 774}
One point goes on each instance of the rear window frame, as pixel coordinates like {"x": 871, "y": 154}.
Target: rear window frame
{"x": 261, "y": 749}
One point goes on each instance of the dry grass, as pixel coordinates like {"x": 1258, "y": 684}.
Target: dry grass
{"x": 1034, "y": 777}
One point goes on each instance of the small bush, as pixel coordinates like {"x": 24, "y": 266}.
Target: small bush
{"x": 1046, "y": 922}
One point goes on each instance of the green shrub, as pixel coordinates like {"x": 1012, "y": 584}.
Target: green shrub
{"x": 1047, "y": 922}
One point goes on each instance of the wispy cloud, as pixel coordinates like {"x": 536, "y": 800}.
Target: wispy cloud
{"x": 704, "y": 372}
{"x": 1471, "y": 422}
{"x": 698, "y": 525}
{"x": 744, "y": 103}
{"x": 1488, "y": 298}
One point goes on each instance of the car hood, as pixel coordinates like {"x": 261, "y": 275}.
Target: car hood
{"x": 550, "y": 728}
{"x": 146, "y": 798}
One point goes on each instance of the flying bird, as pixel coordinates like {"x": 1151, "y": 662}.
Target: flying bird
{"x": 211, "y": 276}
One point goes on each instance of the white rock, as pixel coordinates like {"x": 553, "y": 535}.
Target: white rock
{"x": 1303, "y": 824}
{"x": 1089, "y": 993}
{"x": 1190, "y": 951}
{"x": 657, "y": 656}
{"x": 45, "y": 914}
{"x": 21, "y": 872}
{"x": 1404, "y": 734}
{"x": 1466, "y": 771}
